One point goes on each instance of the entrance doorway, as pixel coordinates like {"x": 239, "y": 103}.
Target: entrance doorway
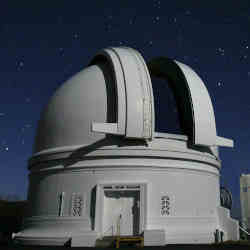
{"x": 121, "y": 210}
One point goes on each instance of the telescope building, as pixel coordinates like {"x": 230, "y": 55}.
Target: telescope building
{"x": 127, "y": 148}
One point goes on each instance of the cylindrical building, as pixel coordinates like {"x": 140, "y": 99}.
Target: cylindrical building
{"x": 127, "y": 148}
{"x": 245, "y": 200}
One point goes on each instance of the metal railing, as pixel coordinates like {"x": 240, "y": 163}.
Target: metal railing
{"x": 112, "y": 227}
{"x": 119, "y": 225}
{"x": 244, "y": 230}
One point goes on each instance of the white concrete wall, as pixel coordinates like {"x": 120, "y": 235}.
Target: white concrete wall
{"x": 192, "y": 188}
{"x": 192, "y": 193}
{"x": 194, "y": 196}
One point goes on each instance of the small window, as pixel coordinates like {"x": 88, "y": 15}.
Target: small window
{"x": 61, "y": 203}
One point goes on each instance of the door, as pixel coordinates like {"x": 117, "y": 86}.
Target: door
{"x": 121, "y": 212}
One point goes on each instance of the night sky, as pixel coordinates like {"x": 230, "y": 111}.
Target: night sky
{"x": 43, "y": 43}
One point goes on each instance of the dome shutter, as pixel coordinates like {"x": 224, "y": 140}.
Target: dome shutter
{"x": 135, "y": 111}
{"x": 196, "y": 109}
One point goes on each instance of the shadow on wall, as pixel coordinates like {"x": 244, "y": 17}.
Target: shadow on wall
{"x": 109, "y": 140}
{"x": 93, "y": 207}
{"x": 82, "y": 153}
{"x": 12, "y": 214}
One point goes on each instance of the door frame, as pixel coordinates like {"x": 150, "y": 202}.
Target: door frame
{"x": 141, "y": 187}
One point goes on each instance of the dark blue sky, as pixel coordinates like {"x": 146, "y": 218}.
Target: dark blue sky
{"x": 42, "y": 44}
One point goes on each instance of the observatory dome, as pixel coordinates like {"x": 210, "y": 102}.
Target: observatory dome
{"x": 127, "y": 148}
{"x": 119, "y": 94}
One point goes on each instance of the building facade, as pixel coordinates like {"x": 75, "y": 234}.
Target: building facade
{"x": 130, "y": 148}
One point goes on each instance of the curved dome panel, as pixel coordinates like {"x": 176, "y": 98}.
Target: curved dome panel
{"x": 203, "y": 113}
{"x": 135, "y": 109}
{"x": 66, "y": 121}
{"x": 193, "y": 101}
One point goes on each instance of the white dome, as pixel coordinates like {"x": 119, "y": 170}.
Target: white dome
{"x": 114, "y": 95}
{"x": 66, "y": 121}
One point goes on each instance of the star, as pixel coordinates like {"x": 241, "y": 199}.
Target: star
{"x": 221, "y": 51}
{"x": 76, "y": 36}
{"x": 20, "y": 65}
{"x": 156, "y": 19}
{"x": 158, "y": 4}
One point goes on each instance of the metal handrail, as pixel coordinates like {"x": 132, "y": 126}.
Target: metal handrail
{"x": 244, "y": 230}
{"x": 112, "y": 228}
{"x": 119, "y": 225}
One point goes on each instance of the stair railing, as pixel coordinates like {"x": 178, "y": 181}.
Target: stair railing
{"x": 244, "y": 230}
{"x": 110, "y": 228}
{"x": 118, "y": 231}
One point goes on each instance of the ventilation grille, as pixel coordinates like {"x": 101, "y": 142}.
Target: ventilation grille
{"x": 165, "y": 205}
{"x": 77, "y": 204}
